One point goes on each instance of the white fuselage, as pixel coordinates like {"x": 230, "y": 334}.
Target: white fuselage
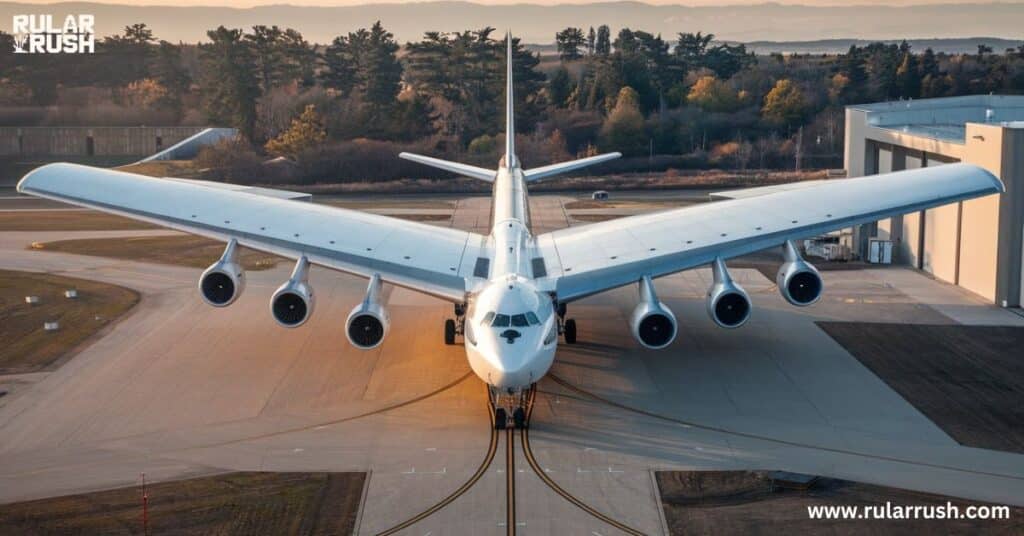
{"x": 511, "y": 328}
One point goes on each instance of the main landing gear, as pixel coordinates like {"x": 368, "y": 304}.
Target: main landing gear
{"x": 510, "y": 409}
{"x": 456, "y": 326}
{"x": 567, "y": 327}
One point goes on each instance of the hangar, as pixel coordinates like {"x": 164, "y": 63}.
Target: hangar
{"x": 976, "y": 244}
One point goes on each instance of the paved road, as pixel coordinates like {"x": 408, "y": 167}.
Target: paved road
{"x": 179, "y": 389}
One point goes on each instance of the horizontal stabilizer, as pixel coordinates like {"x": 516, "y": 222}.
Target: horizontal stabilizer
{"x": 465, "y": 170}
{"x": 536, "y": 174}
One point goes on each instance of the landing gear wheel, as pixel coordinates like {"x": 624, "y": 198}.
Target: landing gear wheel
{"x": 519, "y": 418}
{"x": 500, "y": 419}
{"x": 569, "y": 331}
{"x": 449, "y": 332}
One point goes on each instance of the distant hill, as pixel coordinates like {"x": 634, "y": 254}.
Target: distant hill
{"x": 538, "y": 23}
{"x": 832, "y": 46}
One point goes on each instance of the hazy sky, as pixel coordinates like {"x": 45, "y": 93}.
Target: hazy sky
{"x": 250, "y": 3}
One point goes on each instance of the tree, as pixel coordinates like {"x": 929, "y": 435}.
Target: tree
{"x": 364, "y": 61}
{"x": 713, "y": 95}
{"x": 908, "y": 77}
{"x": 560, "y": 86}
{"x": 229, "y": 80}
{"x": 266, "y": 45}
{"x": 379, "y": 72}
{"x": 125, "y": 58}
{"x": 591, "y": 41}
{"x": 785, "y": 104}
{"x": 569, "y": 42}
{"x": 603, "y": 44}
{"x": 306, "y": 132}
{"x": 623, "y": 129}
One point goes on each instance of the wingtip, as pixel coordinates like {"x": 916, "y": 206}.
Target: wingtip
{"x": 23, "y": 184}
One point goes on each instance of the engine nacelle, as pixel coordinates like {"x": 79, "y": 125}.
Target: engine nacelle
{"x": 368, "y": 322}
{"x": 652, "y": 322}
{"x": 292, "y": 303}
{"x": 728, "y": 304}
{"x": 223, "y": 282}
{"x": 798, "y": 280}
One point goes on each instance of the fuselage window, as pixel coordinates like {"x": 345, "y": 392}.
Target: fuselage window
{"x": 519, "y": 321}
{"x": 500, "y": 321}
{"x": 487, "y": 318}
{"x": 532, "y": 318}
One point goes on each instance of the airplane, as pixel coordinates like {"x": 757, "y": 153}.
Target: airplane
{"x": 510, "y": 289}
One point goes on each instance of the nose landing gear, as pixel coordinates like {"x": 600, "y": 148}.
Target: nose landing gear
{"x": 456, "y": 326}
{"x": 566, "y": 327}
{"x": 510, "y": 409}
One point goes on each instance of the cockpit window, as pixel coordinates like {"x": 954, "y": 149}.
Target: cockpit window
{"x": 499, "y": 320}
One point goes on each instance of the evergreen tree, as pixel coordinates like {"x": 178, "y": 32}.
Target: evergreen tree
{"x": 908, "y": 77}
{"x": 591, "y": 40}
{"x": 229, "y": 80}
{"x": 603, "y": 44}
{"x": 569, "y": 42}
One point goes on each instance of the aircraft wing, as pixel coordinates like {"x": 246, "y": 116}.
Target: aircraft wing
{"x": 430, "y": 259}
{"x": 592, "y": 258}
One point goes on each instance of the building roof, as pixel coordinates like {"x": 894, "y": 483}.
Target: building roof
{"x": 944, "y": 118}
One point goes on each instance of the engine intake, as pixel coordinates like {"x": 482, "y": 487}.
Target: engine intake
{"x": 652, "y": 322}
{"x": 223, "y": 282}
{"x": 368, "y": 322}
{"x": 799, "y": 281}
{"x": 292, "y": 303}
{"x": 728, "y": 304}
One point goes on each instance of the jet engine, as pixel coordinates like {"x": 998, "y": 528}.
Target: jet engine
{"x": 222, "y": 283}
{"x": 798, "y": 280}
{"x": 653, "y": 323}
{"x": 728, "y": 303}
{"x": 292, "y": 303}
{"x": 368, "y": 322}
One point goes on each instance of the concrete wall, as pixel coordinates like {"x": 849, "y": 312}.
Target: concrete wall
{"x": 90, "y": 141}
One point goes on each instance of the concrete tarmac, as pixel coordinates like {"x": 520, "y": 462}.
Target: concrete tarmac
{"x": 179, "y": 389}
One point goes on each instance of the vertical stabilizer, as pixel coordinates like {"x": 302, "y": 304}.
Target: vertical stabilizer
{"x": 510, "y": 126}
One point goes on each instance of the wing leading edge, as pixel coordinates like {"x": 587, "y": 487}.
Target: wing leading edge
{"x": 601, "y": 256}
{"x": 430, "y": 259}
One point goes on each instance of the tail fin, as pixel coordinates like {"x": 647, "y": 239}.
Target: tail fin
{"x": 544, "y": 172}
{"x": 465, "y": 170}
{"x": 510, "y": 126}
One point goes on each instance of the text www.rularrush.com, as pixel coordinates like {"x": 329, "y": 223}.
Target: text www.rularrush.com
{"x": 899, "y": 511}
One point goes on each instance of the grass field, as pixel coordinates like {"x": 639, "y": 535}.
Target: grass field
{"x": 182, "y": 250}
{"x": 66, "y": 220}
{"x": 26, "y": 346}
{"x": 234, "y": 503}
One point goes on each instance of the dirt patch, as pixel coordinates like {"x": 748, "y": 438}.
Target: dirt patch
{"x": 373, "y": 203}
{"x": 27, "y": 347}
{"x": 595, "y": 218}
{"x": 66, "y": 220}
{"x": 181, "y": 250}
{"x": 235, "y": 503}
{"x": 589, "y": 204}
{"x": 752, "y": 502}
{"x": 969, "y": 380}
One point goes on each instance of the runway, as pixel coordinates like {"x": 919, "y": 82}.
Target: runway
{"x": 179, "y": 389}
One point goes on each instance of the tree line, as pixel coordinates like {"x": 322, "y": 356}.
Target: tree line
{"x": 704, "y": 101}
